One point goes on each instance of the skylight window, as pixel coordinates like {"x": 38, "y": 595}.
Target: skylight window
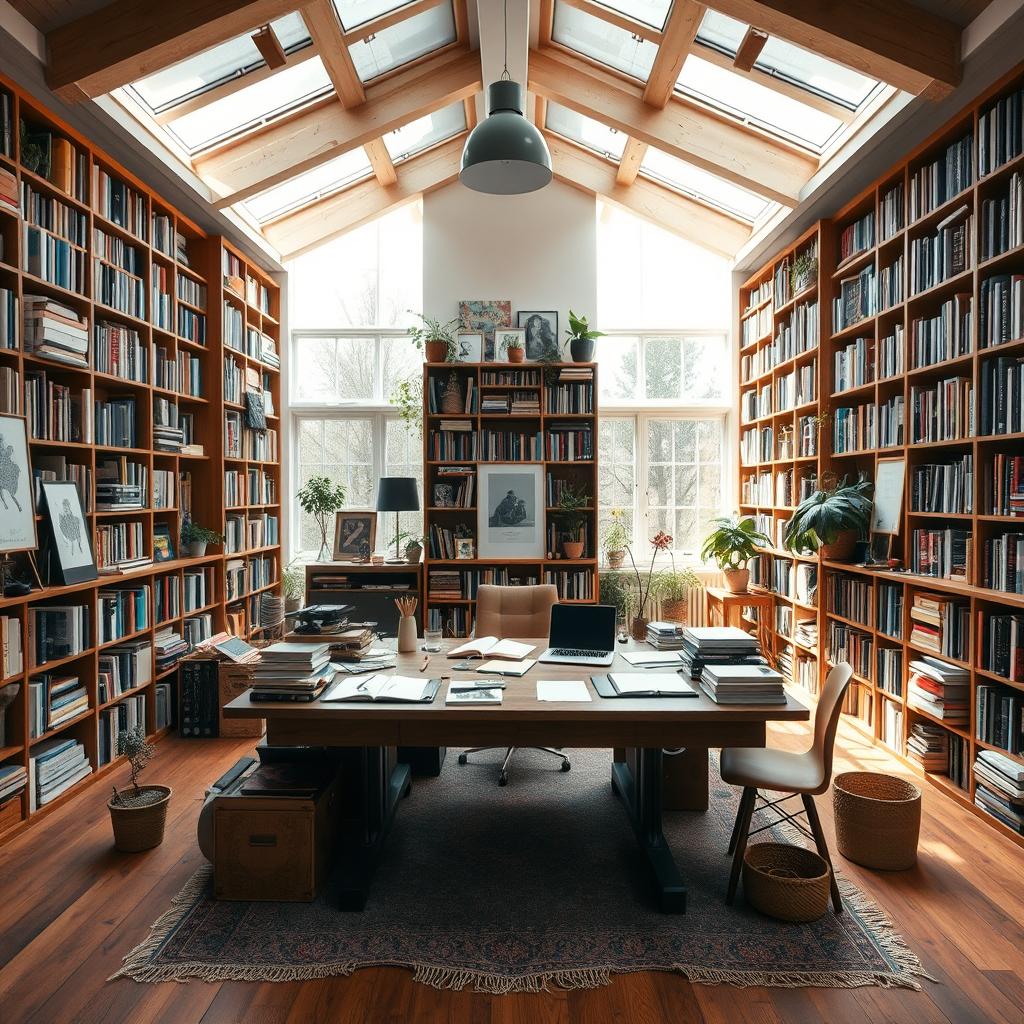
{"x": 425, "y": 132}
{"x": 252, "y": 106}
{"x": 306, "y": 188}
{"x": 585, "y": 131}
{"x": 403, "y": 42}
{"x": 650, "y": 12}
{"x": 199, "y": 74}
{"x": 743, "y": 98}
{"x": 353, "y": 13}
{"x": 700, "y": 184}
{"x": 795, "y": 65}
{"x": 603, "y": 42}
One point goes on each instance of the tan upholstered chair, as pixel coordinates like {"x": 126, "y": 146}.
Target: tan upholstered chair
{"x": 514, "y": 613}
{"x": 805, "y": 775}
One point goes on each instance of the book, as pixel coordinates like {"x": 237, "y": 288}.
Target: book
{"x": 665, "y": 684}
{"x": 382, "y": 689}
{"x": 479, "y": 695}
{"x": 492, "y": 647}
{"x": 508, "y": 668}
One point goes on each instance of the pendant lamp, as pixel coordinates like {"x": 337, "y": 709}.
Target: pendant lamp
{"x": 505, "y": 154}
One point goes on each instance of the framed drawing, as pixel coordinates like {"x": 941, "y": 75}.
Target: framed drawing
{"x": 464, "y": 547}
{"x": 355, "y": 531}
{"x": 887, "y": 504}
{"x": 163, "y": 543}
{"x": 17, "y": 504}
{"x": 70, "y": 546}
{"x": 484, "y": 315}
{"x": 469, "y": 346}
{"x": 541, "y": 334}
{"x": 506, "y": 338}
{"x": 510, "y": 511}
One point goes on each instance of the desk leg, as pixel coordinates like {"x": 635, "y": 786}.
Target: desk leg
{"x": 377, "y": 791}
{"x": 641, "y": 792}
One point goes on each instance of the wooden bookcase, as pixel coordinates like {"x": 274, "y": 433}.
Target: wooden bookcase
{"x": 455, "y": 614}
{"x": 884, "y": 711}
{"x": 181, "y": 277}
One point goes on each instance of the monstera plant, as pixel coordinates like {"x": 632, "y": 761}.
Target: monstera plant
{"x": 831, "y": 521}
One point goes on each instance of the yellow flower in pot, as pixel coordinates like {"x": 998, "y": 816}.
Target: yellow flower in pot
{"x": 732, "y": 544}
{"x": 617, "y": 539}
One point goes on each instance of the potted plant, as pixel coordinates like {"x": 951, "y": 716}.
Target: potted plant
{"x": 195, "y": 538}
{"x": 572, "y": 517}
{"x": 137, "y": 815}
{"x": 407, "y": 397}
{"x": 671, "y": 589}
{"x": 294, "y": 581}
{"x": 581, "y": 338}
{"x": 616, "y": 539}
{"x": 803, "y": 271}
{"x": 513, "y": 348}
{"x": 321, "y": 499}
{"x": 732, "y": 544}
{"x": 413, "y": 548}
{"x": 435, "y": 339}
{"x": 831, "y": 521}
{"x": 661, "y": 541}
{"x": 617, "y": 589}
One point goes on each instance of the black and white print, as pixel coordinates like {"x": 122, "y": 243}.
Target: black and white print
{"x": 17, "y": 509}
{"x": 541, "y": 334}
{"x": 510, "y": 516}
{"x": 70, "y": 543}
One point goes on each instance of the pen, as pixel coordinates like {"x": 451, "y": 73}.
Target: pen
{"x": 472, "y": 687}
{"x": 426, "y": 662}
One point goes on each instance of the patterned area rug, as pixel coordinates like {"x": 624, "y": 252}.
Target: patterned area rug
{"x": 526, "y": 886}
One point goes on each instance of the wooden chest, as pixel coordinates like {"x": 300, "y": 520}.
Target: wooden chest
{"x": 233, "y": 681}
{"x": 274, "y": 848}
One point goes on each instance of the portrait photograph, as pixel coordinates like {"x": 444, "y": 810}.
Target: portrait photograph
{"x": 510, "y": 512}
{"x": 71, "y": 557}
{"x": 355, "y": 532}
{"x": 17, "y": 506}
{"x": 484, "y": 315}
{"x": 541, "y": 334}
{"x": 469, "y": 346}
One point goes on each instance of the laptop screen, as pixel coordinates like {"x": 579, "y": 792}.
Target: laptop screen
{"x": 589, "y": 627}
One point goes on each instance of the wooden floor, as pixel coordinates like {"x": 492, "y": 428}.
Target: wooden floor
{"x": 70, "y": 907}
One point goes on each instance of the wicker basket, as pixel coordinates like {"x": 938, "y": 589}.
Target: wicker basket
{"x": 140, "y": 828}
{"x": 878, "y": 820}
{"x": 786, "y": 882}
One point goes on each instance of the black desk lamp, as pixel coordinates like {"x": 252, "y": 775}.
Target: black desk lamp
{"x": 397, "y": 494}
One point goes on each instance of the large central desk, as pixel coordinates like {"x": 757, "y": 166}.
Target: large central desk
{"x": 644, "y": 727}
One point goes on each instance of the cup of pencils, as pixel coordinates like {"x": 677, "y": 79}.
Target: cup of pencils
{"x": 406, "y": 624}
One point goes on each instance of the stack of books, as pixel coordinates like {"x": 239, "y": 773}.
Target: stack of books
{"x": 939, "y": 624}
{"x": 13, "y": 778}
{"x": 54, "y": 767}
{"x": 54, "y": 700}
{"x": 717, "y": 645}
{"x": 169, "y": 646}
{"x": 999, "y": 788}
{"x": 665, "y": 636}
{"x": 928, "y": 745}
{"x": 292, "y": 672}
{"x": 492, "y": 404}
{"x": 939, "y": 689}
{"x": 351, "y": 644}
{"x": 9, "y": 192}
{"x": 444, "y": 584}
{"x": 742, "y": 684}
{"x": 56, "y": 332}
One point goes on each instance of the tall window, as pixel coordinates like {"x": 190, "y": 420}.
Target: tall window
{"x": 350, "y": 352}
{"x": 665, "y": 376}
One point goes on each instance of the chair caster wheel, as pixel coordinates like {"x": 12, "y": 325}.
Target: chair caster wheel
{"x": 566, "y": 766}
{"x": 502, "y": 780}
{"x": 463, "y": 759}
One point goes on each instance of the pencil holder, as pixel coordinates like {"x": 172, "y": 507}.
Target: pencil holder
{"x": 407, "y": 634}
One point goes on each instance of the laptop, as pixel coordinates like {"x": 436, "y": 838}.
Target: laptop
{"x": 581, "y": 634}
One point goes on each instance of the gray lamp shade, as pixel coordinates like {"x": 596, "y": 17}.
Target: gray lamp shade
{"x": 397, "y": 494}
{"x": 506, "y": 154}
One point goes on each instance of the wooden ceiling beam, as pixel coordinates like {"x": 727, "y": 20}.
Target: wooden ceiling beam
{"x": 461, "y": 12}
{"x": 328, "y": 218}
{"x": 749, "y": 49}
{"x": 891, "y": 40}
{"x": 623, "y": 21}
{"x": 683, "y": 129}
{"x": 265, "y": 40}
{"x": 547, "y": 21}
{"x": 130, "y": 39}
{"x": 403, "y": 13}
{"x": 701, "y": 224}
{"x": 680, "y": 30}
{"x": 325, "y": 130}
{"x": 325, "y": 30}
{"x": 380, "y": 160}
{"x": 629, "y": 163}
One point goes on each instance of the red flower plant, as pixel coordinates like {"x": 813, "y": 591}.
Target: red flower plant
{"x": 661, "y": 541}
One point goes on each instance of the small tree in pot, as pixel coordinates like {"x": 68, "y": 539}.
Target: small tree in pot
{"x": 617, "y": 539}
{"x": 581, "y": 338}
{"x": 195, "y": 538}
{"x": 571, "y": 516}
{"x": 732, "y": 544}
{"x": 831, "y": 521}
{"x": 138, "y": 814}
{"x": 435, "y": 339}
{"x": 321, "y": 499}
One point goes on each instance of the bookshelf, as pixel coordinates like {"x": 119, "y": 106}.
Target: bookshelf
{"x": 535, "y": 402}
{"x": 147, "y": 284}
{"x": 941, "y": 251}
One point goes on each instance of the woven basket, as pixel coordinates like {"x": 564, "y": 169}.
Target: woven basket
{"x": 140, "y": 828}
{"x": 675, "y": 611}
{"x": 878, "y": 820}
{"x": 786, "y": 882}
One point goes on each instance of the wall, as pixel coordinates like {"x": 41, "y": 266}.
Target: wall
{"x": 537, "y": 250}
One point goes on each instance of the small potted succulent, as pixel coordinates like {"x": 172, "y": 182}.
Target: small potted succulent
{"x": 294, "y": 580}
{"x": 571, "y": 516}
{"x": 196, "y": 538}
{"x": 581, "y": 338}
{"x": 510, "y": 345}
{"x": 732, "y": 544}
{"x": 321, "y": 499}
{"x": 831, "y": 521}
{"x": 435, "y": 339}
{"x": 138, "y": 814}
{"x": 616, "y": 539}
{"x": 413, "y": 549}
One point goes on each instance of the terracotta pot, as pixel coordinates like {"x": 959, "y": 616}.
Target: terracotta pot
{"x": 842, "y": 548}
{"x": 140, "y": 828}
{"x": 516, "y": 355}
{"x": 437, "y": 351}
{"x": 412, "y": 553}
{"x": 639, "y": 628}
{"x": 572, "y": 548}
{"x": 616, "y": 559}
{"x": 674, "y": 611}
{"x": 737, "y": 580}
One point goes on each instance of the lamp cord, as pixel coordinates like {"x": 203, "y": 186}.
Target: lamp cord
{"x": 505, "y": 76}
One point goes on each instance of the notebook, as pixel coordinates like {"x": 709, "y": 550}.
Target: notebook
{"x": 478, "y": 696}
{"x": 508, "y": 668}
{"x": 668, "y": 684}
{"x": 640, "y": 659}
{"x": 383, "y": 689}
{"x": 492, "y": 647}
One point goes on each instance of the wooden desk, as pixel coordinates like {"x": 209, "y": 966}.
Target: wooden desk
{"x": 645, "y": 726}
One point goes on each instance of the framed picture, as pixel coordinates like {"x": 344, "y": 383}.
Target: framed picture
{"x": 504, "y": 338}
{"x": 541, "y": 334}
{"x": 484, "y": 315}
{"x": 163, "y": 543}
{"x": 70, "y": 546}
{"x": 470, "y": 346}
{"x": 887, "y": 506}
{"x": 510, "y": 511}
{"x": 355, "y": 532}
{"x": 17, "y": 504}
{"x": 464, "y": 547}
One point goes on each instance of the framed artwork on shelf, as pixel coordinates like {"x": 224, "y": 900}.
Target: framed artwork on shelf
{"x": 70, "y": 548}
{"x": 464, "y": 547}
{"x": 163, "y": 543}
{"x": 17, "y": 505}
{"x": 506, "y": 338}
{"x": 541, "y": 334}
{"x": 484, "y": 315}
{"x": 355, "y": 531}
{"x": 510, "y": 511}
{"x": 887, "y": 504}
{"x": 470, "y": 346}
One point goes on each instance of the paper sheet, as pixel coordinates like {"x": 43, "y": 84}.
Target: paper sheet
{"x": 563, "y": 690}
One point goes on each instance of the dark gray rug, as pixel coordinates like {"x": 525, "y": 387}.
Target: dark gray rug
{"x": 517, "y": 888}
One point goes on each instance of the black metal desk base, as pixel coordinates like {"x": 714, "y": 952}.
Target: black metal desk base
{"x": 641, "y": 795}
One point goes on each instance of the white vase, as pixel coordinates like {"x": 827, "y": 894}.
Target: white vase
{"x": 407, "y": 634}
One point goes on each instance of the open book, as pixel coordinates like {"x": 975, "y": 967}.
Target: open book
{"x": 385, "y": 689}
{"x": 492, "y": 647}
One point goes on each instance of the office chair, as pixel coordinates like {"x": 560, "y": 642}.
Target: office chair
{"x": 513, "y": 613}
{"x": 805, "y": 775}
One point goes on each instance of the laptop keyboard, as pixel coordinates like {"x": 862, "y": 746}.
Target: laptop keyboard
{"x": 573, "y": 652}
